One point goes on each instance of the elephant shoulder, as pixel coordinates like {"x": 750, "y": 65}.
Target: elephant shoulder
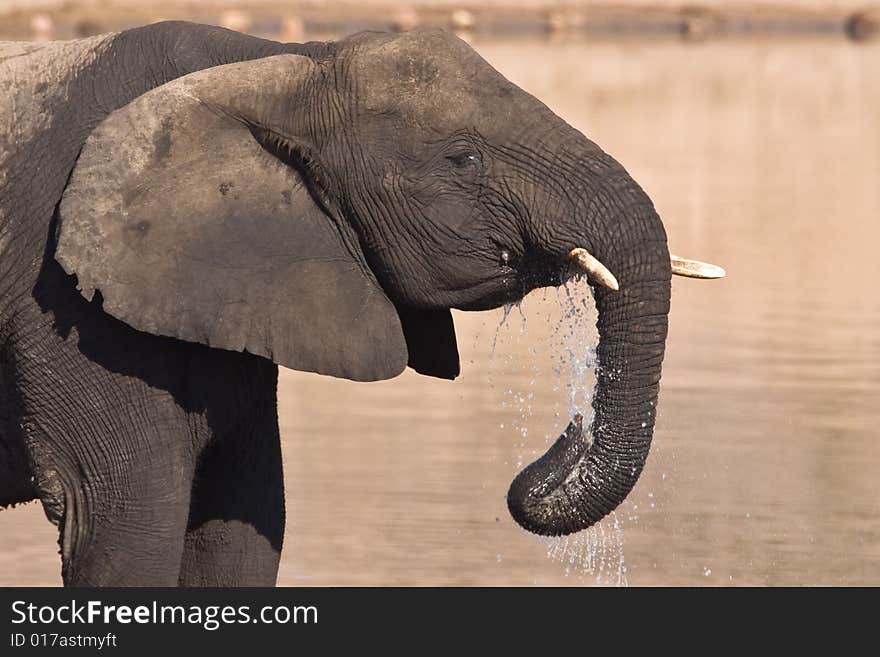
{"x": 34, "y": 86}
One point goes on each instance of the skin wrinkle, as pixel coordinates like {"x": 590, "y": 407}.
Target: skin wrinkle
{"x": 420, "y": 226}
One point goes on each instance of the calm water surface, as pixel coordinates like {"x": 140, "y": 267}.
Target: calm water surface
{"x": 763, "y": 157}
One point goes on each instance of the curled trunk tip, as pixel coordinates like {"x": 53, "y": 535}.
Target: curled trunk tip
{"x": 577, "y": 482}
{"x": 533, "y": 495}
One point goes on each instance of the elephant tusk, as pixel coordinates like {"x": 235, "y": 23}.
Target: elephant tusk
{"x": 590, "y": 265}
{"x": 695, "y": 268}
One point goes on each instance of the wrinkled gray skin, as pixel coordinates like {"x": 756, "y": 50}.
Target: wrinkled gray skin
{"x": 183, "y": 207}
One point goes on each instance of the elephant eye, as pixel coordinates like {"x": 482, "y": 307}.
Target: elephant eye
{"x": 465, "y": 159}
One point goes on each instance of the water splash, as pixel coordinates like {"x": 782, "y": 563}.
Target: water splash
{"x": 570, "y": 350}
{"x": 595, "y": 553}
{"x": 503, "y": 324}
{"x": 579, "y": 342}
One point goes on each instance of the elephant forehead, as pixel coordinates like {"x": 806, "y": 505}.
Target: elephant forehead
{"x": 429, "y": 77}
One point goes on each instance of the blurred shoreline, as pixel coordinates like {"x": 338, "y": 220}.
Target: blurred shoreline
{"x": 42, "y": 20}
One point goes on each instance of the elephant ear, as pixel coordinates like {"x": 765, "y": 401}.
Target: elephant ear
{"x": 430, "y": 340}
{"x": 189, "y": 228}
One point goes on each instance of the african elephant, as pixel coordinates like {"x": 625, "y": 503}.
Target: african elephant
{"x": 184, "y": 208}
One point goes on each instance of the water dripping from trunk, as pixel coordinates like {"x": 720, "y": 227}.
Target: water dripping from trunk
{"x": 567, "y": 357}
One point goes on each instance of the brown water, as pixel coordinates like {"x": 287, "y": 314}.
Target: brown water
{"x": 763, "y": 157}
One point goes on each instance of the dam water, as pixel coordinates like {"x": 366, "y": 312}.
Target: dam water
{"x": 761, "y": 156}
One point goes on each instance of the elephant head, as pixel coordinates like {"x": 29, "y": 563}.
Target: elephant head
{"x": 327, "y": 212}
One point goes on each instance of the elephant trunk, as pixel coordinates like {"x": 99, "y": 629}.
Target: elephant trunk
{"x": 589, "y": 471}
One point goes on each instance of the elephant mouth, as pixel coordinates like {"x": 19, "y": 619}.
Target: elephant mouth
{"x": 513, "y": 281}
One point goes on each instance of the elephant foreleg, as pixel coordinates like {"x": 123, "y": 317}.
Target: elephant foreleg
{"x": 113, "y": 463}
{"x": 124, "y": 532}
{"x": 236, "y": 521}
{"x": 119, "y": 494}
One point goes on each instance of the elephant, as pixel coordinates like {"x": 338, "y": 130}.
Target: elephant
{"x": 183, "y": 208}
